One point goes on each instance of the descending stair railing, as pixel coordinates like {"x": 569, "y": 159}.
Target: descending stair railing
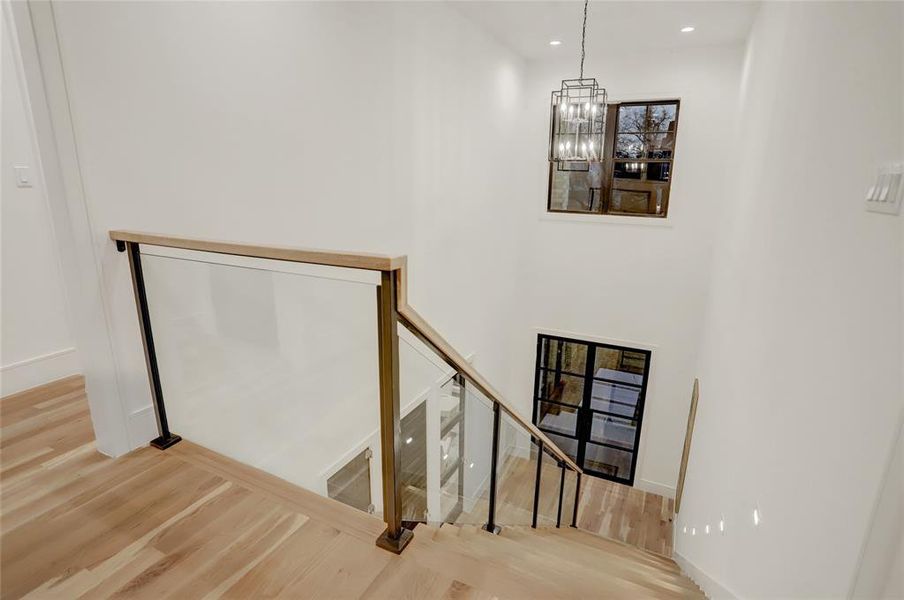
{"x": 392, "y": 310}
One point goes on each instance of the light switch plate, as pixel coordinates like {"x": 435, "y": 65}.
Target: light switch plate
{"x": 23, "y": 176}
{"x": 886, "y": 193}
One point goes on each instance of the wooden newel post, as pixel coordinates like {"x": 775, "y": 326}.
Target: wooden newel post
{"x": 395, "y": 538}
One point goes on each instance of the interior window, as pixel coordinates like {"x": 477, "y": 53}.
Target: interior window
{"x": 589, "y": 399}
{"x": 633, "y": 176}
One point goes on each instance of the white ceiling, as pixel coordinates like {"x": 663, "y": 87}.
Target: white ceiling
{"x": 527, "y": 27}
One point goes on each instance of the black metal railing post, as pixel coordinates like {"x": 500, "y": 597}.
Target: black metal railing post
{"x": 561, "y": 494}
{"x": 491, "y": 513}
{"x": 166, "y": 437}
{"x": 537, "y": 483}
{"x": 577, "y": 497}
{"x": 395, "y": 537}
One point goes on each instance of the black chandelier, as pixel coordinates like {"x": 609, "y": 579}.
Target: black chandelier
{"x": 577, "y": 119}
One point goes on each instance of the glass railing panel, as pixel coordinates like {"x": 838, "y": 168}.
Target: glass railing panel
{"x": 466, "y": 482}
{"x": 423, "y": 382}
{"x": 446, "y": 452}
{"x": 549, "y": 485}
{"x": 516, "y": 473}
{"x": 571, "y": 485}
{"x": 272, "y": 364}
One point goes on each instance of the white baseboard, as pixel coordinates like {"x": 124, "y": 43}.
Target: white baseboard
{"x": 38, "y": 370}
{"x": 711, "y": 587}
{"x": 654, "y": 487}
{"x": 142, "y": 426}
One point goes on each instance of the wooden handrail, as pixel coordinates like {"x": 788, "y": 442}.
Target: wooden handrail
{"x": 688, "y": 437}
{"x": 418, "y": 326}
{"x": 332, "y": 258}
{"x": 372, "y": 262}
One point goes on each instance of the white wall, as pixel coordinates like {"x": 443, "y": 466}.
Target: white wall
{"x": 800, "y": 368}
{"x": 36, "y": 346}
{"x": 880, "y": 573}
{"x": 381, "y": 127}
{"x": 633, "y": 280}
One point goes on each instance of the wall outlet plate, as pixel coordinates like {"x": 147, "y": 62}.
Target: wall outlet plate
{"x": 885, "y": 195}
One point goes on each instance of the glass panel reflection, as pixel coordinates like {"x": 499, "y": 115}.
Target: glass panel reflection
{"x": 516, "y": 473}
{"x": 613, "y": 430}
{"x": 629, "y": 170}
{"x": 608, "y": 461}
{"x": 663, "y": 116}
{"x": 630, "y": 146}
{"x": 615, "y": 398}
{"x": 558, "y": 418}
{"x": 351, "y": 483}
{"x": 550, "y": 480}
{"x": 561, "y": 388}
{"x": 630, "y": 201}
{"x": 568, "y": 445}
{"x": 632, "y": 118}
{"x": 561, "y": 355}
{"x": 413, "y": 464}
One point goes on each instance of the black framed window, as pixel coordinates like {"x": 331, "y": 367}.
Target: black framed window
{"x": 589, "y": 399}
{"x": 632, "y": 176}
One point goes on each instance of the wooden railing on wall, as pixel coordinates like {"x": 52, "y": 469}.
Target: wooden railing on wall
{"x": 691, "y": 417}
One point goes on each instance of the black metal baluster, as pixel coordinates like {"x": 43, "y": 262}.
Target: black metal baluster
{"x": 166, "y": 437}
{"x": 577, "y": 497}
{"x": 537, "y": 483}
{"x": 491, "y": 517}
{"x": 561, "y": 494}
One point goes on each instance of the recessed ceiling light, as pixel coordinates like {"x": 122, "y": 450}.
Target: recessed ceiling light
{"x": 687, "y": 29}
{"x": 555, "y": 43}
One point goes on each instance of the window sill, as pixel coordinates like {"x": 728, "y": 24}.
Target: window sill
{"x": 595, "y": 219}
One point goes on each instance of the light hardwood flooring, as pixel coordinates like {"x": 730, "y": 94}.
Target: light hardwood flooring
{"x": 615, "y": 511}
{"x": 189, "y": 523}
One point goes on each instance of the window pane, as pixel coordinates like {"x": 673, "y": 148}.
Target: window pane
{"x": 613, "y": 398}
{"x": 659, "y": 145}
{"x": 659, "y": 171}
{"x": 612, "y": 430}
{"x": 630, "y": 201}
{"x": 565, "y": 356}
{"x": 616, "y": 463}
{"x": 632, "y": 118}
{"x": 567, "y": 445}
{"x": 630, "y": 145}
{"x": 554, "y": 417}
{"x": 576, "y": 191}
{"x": 662, "y": 117}
{"x": 628, "y": 170}
{"x": 620, "y": 365}
{"x": 562, "y": 388}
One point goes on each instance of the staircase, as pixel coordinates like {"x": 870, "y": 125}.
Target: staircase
{"x": 522, "y": 562}
{"x": 519, "y": 475}
{"x": 191, "y": 523}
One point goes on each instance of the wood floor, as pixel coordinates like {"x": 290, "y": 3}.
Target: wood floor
{"x": 615, "y": 511}
{"x": 188, "y": 523}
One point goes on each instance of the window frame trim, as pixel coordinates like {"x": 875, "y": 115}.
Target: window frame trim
{"x": 551, "y": 214}
{"x": 589, "y": 340}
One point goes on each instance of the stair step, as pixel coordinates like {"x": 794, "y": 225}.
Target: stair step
{"x": 543, "y": 563}
{"x": 556, "y": 546}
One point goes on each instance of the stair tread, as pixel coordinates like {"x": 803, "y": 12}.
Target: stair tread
{"x": 524, "y": 562}
{"x": 555, "y": 546}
